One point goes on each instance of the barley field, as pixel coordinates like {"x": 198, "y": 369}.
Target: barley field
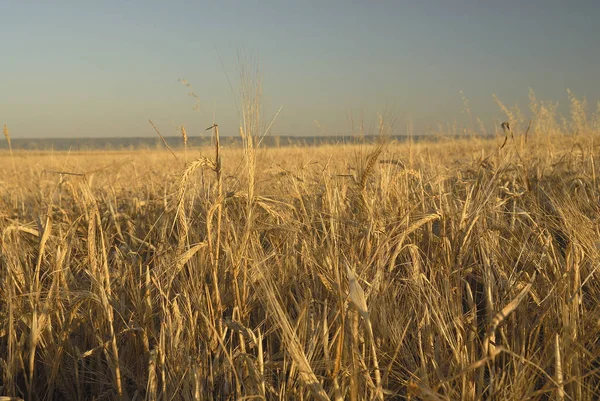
{"x": 461, "y": 269}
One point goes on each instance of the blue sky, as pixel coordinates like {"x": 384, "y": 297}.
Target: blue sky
{"x": 103, "y": 68}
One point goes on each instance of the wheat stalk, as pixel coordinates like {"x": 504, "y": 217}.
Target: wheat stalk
{"x": 7, "y": 136}
{"x": 358, "y": 300}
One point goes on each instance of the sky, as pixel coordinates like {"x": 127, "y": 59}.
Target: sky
{"x": 104, "y": 68}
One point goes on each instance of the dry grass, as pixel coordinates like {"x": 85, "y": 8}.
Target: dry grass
{"x": 453, "y": 270}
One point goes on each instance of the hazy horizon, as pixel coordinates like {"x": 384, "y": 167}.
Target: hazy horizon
{"x": 75, "y": 69}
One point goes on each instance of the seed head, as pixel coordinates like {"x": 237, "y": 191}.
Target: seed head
{"x": 6, "y": 134}
{"x": 356, "y": 293}
{"x": 184, "y": 135}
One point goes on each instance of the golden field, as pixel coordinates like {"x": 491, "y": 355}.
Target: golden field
{"x": 447, "y": 270}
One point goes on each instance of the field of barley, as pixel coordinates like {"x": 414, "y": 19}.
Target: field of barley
{"x": 463, "y": 269}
